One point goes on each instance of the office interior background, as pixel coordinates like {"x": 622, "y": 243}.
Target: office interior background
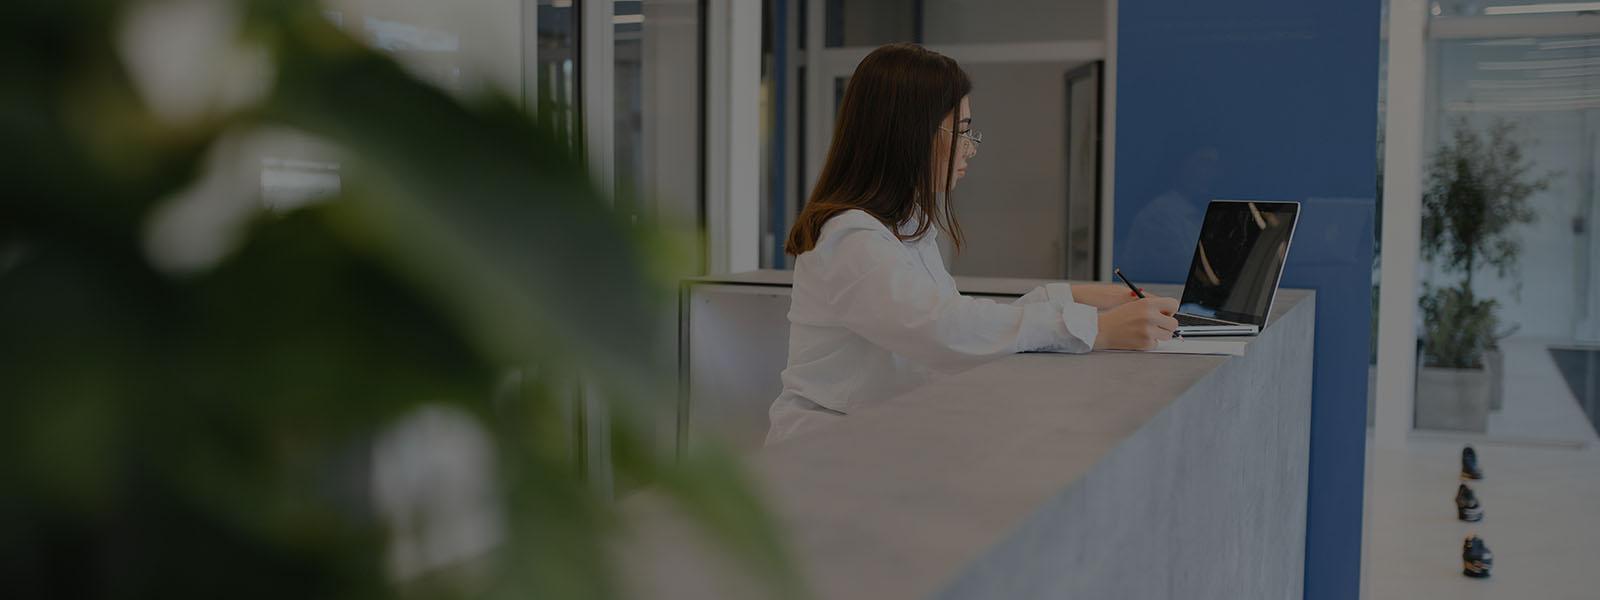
{"x": 1107, "y": 126}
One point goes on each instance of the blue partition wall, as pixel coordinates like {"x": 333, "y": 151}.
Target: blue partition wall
{"x": 1265, "y": 100}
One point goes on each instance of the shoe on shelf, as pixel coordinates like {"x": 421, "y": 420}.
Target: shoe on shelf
{"x": 1476, "y": 558}
{"x": 1467, "y": 507}
{"x": 1469, "y": 464}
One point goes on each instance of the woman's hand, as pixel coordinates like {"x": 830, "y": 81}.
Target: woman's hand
{"x": 1137, "y": 325}
{"x": 1102, "y": 296}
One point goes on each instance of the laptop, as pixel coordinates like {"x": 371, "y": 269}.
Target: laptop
{"x": 1237, "y": 263}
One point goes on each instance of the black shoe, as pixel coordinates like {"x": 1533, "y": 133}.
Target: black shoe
{"x": 1469, "y": 464}
{"x": 1467, "y": 508}
{"x": 1476, "y": 558}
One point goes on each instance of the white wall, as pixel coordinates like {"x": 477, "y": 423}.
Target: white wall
{"x": 1012, "y": 204}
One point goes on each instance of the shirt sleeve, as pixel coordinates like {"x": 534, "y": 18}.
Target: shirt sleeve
{"x": 1059, "y": 293}
{"x": 879, "y": 292}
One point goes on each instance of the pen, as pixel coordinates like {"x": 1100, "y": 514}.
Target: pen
{"x": 1131, "y": 286}
{"x": 1140, "y": 294}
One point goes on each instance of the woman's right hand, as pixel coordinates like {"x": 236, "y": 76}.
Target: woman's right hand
{"x": 1137, "y": 325}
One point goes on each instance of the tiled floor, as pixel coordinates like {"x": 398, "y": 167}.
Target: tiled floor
{"x": 1540, "y": 495}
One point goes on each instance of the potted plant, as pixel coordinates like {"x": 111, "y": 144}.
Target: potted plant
{"x": 1455, "y": 381}
{"x": 1477, "y": 190}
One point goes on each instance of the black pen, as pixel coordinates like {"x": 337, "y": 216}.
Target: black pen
{"x": 1140, "y": 294}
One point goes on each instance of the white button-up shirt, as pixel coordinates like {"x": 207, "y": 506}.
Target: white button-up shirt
{"x": 872, "y": 317}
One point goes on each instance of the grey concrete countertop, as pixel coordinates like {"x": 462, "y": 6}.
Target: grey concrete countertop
{"x": 899, "y": 498}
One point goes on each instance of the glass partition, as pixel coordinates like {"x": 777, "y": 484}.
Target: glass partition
{"x": 1507, "y": 296}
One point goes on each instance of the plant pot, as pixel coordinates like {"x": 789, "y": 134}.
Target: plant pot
{"x": 1495, "y": 363}
{"x": 1452, "y": 399}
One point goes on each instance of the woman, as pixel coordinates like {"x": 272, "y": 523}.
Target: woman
{"x": 874, "y": 313}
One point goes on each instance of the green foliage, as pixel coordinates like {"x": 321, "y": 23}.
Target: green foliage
{"x": 1477, "y": 190}
{"x": 208, "y": 433}
{"x": 1458, "y": 327}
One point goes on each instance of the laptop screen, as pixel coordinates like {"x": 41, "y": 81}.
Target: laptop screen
{"x": 1237, "y": 263}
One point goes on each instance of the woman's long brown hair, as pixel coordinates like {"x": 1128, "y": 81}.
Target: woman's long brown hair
{"x": 883, "y": 143}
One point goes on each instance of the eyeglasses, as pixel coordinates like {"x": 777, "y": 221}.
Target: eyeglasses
{"x": 973, "y": 137}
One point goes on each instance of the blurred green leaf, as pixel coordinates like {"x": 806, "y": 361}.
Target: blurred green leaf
{"x": 486, "y": 209}
{"x": 211, "y": 433}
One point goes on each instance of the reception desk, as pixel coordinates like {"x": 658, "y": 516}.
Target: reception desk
{"x": 1105, "y": 475}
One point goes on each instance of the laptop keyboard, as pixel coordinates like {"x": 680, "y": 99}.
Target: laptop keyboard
{"x": 1191, "y": 320}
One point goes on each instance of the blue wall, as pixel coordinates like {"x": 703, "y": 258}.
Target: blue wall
{"x": 1265, "y": 100}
